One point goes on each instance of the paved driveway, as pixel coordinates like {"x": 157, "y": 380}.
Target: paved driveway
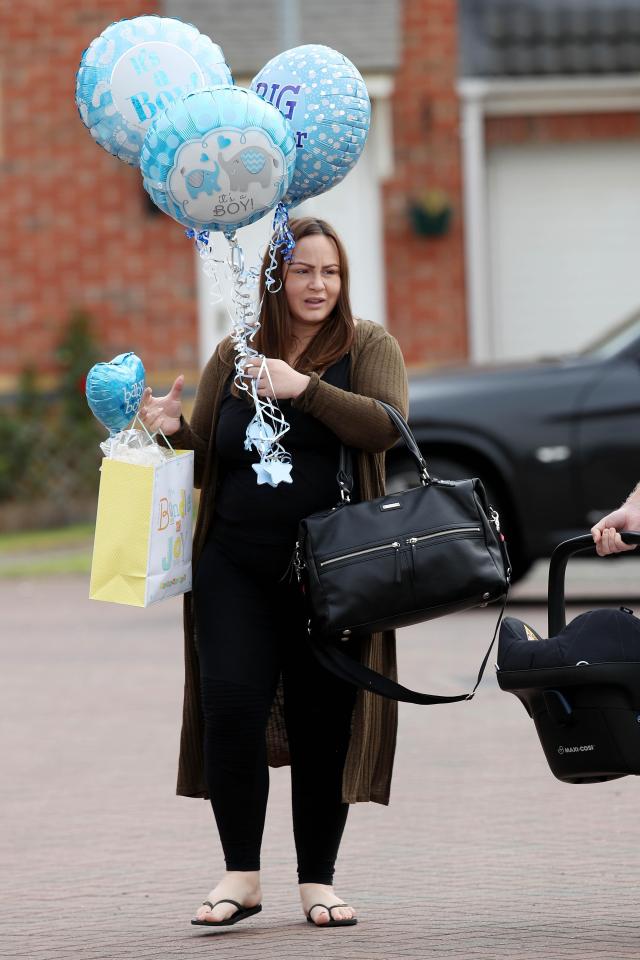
{"x": 481, "y": 853}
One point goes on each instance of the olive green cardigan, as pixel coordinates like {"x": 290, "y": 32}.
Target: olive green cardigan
{"x": 377, "y": 371}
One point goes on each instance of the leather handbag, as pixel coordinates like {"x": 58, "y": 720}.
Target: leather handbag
{"x": 397, "y": 560}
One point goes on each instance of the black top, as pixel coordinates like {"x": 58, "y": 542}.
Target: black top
{"x": 261, "y": 513}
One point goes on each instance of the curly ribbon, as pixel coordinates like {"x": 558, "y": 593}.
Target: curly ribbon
{"x": 281, "y": 240}
{"x": 202, "y": 240}
{"x": 268, "y": 426}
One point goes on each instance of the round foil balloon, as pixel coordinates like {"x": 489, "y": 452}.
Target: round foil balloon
{"x": 324, "y": 97}
{"x": 218, "y": 159}
{"x": 114, "y": 390}
{"x": 133, "y": 70}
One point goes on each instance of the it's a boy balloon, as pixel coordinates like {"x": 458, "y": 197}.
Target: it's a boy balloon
{"x": 218, "y": 159}
{"x": 134, "y": 70}
{"x": 114, "y": 390}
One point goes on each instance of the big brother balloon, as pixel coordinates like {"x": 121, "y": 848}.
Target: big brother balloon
{"x": 324, "y": 97}
{"x": 114, "y": 390}
{"x": 136, "y": 68}
{"x": 218, "y": 159}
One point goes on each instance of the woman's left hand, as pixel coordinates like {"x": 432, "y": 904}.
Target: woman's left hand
{"x": 283, "y": 382}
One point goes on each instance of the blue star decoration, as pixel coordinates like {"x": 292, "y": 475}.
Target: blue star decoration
{"x": 273, "y": 472}
{"x": 280, "y": 472}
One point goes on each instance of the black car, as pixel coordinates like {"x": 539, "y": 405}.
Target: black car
{"x": 555, "y": 441}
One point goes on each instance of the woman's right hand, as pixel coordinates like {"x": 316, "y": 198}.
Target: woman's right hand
{"x": 162, "y": 413}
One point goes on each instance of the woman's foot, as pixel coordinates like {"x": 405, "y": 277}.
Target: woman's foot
{"x": 319, "y": 893}
{"x": 240, "y": 885}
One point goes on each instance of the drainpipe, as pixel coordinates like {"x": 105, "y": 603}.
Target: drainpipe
{"x": 482, "y": 347}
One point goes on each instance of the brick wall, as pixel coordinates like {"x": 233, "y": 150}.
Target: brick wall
{"x": 425, "y": 276}
{"x": 76, "y": 228}
{"x": 561, "y": 128}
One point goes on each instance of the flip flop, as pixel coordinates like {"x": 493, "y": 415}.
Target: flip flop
{"x": 241, "y": 914}
{"x": 332, "y": 922}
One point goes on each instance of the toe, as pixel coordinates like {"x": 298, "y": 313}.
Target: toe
{"x": 343, "y": 913}
{"x": 319, "y": 915}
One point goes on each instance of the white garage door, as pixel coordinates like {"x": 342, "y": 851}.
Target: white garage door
{"x": 564, "y": 244}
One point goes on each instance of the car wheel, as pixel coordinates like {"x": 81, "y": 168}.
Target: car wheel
{"x": 402, "y": 474}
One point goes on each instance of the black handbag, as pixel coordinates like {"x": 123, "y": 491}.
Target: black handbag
{"x": 395, "y": 561}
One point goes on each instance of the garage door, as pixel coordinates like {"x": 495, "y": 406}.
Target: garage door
{"x": 564, "y": 244}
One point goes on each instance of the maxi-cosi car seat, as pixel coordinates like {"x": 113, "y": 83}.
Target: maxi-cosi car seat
{"x": 581, "y": 687}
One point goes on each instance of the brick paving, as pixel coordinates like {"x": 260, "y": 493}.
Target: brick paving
{"x": 481, "y": 854}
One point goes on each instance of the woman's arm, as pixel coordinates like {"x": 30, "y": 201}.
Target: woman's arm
{"x": 356, "y": 418}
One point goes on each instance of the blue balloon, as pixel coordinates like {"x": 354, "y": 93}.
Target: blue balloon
{"x": 114, "y": 390}
{"x": 218, "y": 159}
{"x": 134, "y": 70}
{"x": 324, "y": 97}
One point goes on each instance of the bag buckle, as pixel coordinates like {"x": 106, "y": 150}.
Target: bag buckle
{"x": 344, "y": 482}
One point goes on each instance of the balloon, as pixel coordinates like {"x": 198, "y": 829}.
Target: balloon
{"x": 114, "y": 390}
{"x": 218, "y": 159}
{"x": 133, "y": 70}
{"x": 326, "y": 100}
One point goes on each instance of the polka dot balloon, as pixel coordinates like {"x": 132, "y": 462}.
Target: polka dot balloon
{"x": 325, "y": 99}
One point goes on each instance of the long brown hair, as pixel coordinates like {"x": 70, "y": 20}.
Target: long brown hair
{"x": 334, "y": 339}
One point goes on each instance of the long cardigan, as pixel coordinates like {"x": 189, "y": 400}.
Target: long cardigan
{"x": 377, "y": 371}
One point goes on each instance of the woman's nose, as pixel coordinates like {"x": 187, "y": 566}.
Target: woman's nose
{"x": 316, "y": 281}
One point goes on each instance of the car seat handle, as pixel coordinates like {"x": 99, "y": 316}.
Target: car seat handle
{"x": 557, "y": 568}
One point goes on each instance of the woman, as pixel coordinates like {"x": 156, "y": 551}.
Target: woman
{"x": 248, "y": 669}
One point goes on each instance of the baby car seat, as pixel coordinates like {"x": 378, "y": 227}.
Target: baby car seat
{"x": 581, "y": 687}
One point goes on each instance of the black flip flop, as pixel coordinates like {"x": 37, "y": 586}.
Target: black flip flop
{"x": 332, "y": 922}
{"x": 241, "y": 914}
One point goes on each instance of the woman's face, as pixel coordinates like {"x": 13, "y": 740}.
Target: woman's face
{"x": 312, "y": 281}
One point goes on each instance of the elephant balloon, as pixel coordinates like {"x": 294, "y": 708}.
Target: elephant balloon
{"x": 246, "y": 165}
{"x": 133, "y": 70}
{"x": 218, "y": 159}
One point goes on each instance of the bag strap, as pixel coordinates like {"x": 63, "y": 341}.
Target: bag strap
{"x": 350, "y": 670}
{"x": 345, "y": 468}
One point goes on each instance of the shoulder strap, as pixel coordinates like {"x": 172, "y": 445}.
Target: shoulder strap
{"x": 352, "y": 671}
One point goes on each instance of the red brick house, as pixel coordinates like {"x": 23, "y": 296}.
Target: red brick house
{"x": 523, "y": 115}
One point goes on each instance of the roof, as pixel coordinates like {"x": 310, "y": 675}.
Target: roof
{"x": 251, "y": 32}
{"x": 549, "y": 37}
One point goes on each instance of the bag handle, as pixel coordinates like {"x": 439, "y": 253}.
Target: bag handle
{"x": 557, "y": 568}
{"x": 344, "y": 477}
{"x": 351, "y": 671}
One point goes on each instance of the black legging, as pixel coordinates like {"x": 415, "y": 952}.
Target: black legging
{"x": 251, "y": 629}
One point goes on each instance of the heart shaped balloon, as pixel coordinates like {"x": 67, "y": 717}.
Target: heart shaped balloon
{"x": 114, "y": 390}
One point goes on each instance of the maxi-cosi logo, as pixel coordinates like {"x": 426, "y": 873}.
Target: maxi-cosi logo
{"x": 584, "y": 748}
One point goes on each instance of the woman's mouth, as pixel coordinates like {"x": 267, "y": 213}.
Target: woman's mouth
{"x": 314, "y": 302}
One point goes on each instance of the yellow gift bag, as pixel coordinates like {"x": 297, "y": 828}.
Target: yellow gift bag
{"x": 142, "y": 546}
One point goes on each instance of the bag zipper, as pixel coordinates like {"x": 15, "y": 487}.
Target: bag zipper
{"x": 412, "y": 541}
{"x": 359, "y": 553}
{"x": 443, "y": 533}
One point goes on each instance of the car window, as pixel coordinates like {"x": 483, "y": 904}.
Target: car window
{"x": 615, "y": 340}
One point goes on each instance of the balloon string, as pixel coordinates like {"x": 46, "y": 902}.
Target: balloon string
{"x": 283, "y": 241}
{"x": 245, "y": 324}
{"x": 202, "y": 242}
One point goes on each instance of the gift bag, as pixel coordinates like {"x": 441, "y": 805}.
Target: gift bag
{"x": 142, "y": 546}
